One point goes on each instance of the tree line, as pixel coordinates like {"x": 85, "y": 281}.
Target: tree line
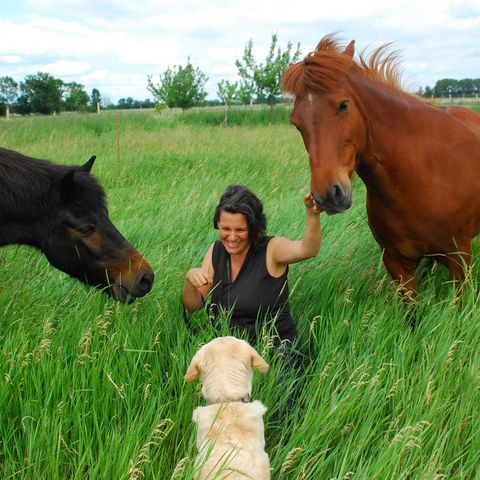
{"x": 183, "y": 86}
{"x": 450, "y": 87}
{"x": 43, "y": 94}
{"x": 178, "y": 87}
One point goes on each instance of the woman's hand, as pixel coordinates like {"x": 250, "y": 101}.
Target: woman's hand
{"x": 311, "y": 205}
{"x": 198, "y": 277}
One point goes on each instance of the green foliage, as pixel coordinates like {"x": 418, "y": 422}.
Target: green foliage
{"x": 268, "y": 76}
{"x": 8, "y": 93}
{"x": 255, "y": 116}
{"x": 180, "y": 87}
{"x": 43, "y": 92}
{"x": 451, "y": 87}
{"x": 95, "y": 96}
{"x": 265, "y": 78}
{"x": 227, "y": 92}
{"x": 76, "y": 98}
{"x": 245, "y": 93}
{"x": 90, "y": 389}
{"x": 8, "y": 90}
{"x": 23, "y": 105}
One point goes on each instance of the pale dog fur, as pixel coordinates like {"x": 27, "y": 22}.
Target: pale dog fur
{"x": 230, "y": 436}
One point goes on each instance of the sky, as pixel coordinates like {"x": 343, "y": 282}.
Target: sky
{"x": 114, "y": 45}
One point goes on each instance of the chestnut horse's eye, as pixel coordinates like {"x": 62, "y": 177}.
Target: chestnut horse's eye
{"x": 342, "y": 107}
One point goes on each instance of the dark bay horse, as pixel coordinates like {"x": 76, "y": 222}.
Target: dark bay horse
{"x": 420, "y": 163}
{"x": 61, "y": 210}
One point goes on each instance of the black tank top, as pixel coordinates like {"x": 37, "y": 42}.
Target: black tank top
{"x": 255, "y": 296}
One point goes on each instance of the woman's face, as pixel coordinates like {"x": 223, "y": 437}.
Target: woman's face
{"x": 233, "y": 228}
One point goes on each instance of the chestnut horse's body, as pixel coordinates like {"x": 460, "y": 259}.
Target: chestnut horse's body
{"x": 61, "y": 211}
{"x": 420, "y": 163}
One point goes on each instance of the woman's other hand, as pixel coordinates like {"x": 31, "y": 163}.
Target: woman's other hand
{"x": 198, "y": 277}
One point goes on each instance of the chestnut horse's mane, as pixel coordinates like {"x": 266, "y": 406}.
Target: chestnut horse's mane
{"x": 329, "y": 66}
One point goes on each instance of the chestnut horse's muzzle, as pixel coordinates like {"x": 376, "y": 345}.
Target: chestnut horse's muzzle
{"x": 337, "y": 200}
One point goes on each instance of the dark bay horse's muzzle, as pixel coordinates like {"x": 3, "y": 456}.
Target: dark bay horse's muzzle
{"x": 337, "y": 200}
{"x": 127, "y": 291}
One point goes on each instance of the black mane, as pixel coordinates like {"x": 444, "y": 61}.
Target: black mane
{"x": 26, "y": 186}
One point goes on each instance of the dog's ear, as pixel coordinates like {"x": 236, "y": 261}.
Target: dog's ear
{"x": 195, "y": 414}
{"x": 193, "y": 370}
{"x": 259, "y": 363}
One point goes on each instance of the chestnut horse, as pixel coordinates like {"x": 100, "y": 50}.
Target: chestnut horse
{"x": 61, "y": 210}
{"x": 420, "y": 163}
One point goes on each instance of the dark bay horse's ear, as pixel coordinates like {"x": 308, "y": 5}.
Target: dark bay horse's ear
{"x": 64, "y": 187}
{"x": 88, "y": 166}
{"x": 350, "y": 50}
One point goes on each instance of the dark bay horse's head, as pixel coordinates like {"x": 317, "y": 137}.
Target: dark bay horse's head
{"x": 80, "y": 239}
{"x": 326, "y": 114}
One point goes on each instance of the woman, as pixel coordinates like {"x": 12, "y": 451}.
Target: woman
{"x": 246, "y": 271}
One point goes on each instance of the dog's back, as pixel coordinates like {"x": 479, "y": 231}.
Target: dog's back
{"x": 231, "y": 442}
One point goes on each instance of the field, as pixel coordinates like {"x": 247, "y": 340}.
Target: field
{"x": 91, "y": 389}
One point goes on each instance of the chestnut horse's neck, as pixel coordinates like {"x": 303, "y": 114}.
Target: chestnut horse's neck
{"x": 392, "y": 120}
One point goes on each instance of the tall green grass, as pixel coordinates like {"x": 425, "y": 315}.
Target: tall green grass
{"x": 93, "y": 389}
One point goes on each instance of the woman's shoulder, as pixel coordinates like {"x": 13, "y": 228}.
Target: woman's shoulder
{"x": 273, "y": 241}
{"x": 217, "y": 250}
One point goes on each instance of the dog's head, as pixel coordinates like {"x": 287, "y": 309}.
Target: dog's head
{"x": 225, "y": 368}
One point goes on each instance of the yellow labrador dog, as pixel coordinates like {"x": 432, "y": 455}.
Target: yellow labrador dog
{"x": 230, "y": 436}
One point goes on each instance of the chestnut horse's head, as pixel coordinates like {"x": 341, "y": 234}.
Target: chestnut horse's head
{"x": 80, "y": 239}
{"x": 327, "y": 115}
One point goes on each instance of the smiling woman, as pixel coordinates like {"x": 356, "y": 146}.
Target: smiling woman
{"x": 61, "y": 211}
{"x": 245, "y": 272}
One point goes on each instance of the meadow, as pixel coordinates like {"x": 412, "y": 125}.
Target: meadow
{"x": 92, "y": 389}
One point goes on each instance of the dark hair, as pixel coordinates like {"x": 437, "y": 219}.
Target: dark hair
{"x": 239, "y": 199}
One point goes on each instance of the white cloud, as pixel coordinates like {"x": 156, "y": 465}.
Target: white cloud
{"x": 10, "y": 59}
{"x": 65, "y": 69}
{"x": 114, "y": 45}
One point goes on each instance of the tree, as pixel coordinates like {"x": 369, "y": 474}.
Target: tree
{"x": 8, "y": 93}
{"x": 43, "y": 92}
{"x": 179, "y": 87}
{"x": 76, "y": 98}
{"x": 227, "y": 93}
{"x": 245, "y": 93}
{"x": 246, "y": 71}
{"x": 447, "y": 87}
{"x": 428, "y": 93}
{"x": 128, "y": 103}
{"x": 468, "y": 87}
{"x": 267, "y": 76}
{"x": 23, "y": 105}
{"x": 95, "y": 99}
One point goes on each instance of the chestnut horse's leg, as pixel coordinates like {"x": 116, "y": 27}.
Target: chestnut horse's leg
{"x": 458, "y": 263}
{"x": 402, "y": 270}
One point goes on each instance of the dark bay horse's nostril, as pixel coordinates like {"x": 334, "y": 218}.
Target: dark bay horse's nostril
{"x": 143, "y": 284}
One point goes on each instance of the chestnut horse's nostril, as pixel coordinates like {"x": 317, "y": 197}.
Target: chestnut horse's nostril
{"x": 337, "y": 194}
{"x": 317, "y": 199}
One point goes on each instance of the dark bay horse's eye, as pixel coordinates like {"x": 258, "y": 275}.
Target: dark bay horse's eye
{"x": 86, "y": 230}
{"x": 342, "y": 107}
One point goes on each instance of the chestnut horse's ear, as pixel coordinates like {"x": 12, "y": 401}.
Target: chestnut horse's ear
{"x": 88, "y": 166}
{"x": 350, "y": 50}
